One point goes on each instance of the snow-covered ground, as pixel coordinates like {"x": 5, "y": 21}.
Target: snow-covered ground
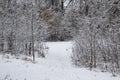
{"x": 56, "y": 66}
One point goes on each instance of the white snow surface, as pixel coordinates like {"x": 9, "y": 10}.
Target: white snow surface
{"x": 56, "y": 66}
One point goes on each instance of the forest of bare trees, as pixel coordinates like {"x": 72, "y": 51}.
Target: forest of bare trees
{"x": 26, "y": 24}
{"x": 20, "y": 27}
{"x": 93, "y": 26}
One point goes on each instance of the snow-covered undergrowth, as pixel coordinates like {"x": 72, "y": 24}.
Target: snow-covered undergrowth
{"x": 55, "y": 66}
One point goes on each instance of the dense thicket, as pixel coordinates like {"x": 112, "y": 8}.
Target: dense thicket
{"x": 97, "y": 43}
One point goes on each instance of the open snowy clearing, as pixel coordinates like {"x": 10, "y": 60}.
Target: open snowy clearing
{"x": 56, "y": 66}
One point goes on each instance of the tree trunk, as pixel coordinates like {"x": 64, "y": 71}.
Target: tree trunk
{"x": 32, "y": 38}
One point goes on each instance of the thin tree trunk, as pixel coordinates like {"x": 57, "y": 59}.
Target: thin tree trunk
{"x": 91, "y": 53}
{"x": 32, "y": 38}
{"x": 94, "y": 49}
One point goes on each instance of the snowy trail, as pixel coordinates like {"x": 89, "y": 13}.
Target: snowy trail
{"x": 56, "y": 66}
